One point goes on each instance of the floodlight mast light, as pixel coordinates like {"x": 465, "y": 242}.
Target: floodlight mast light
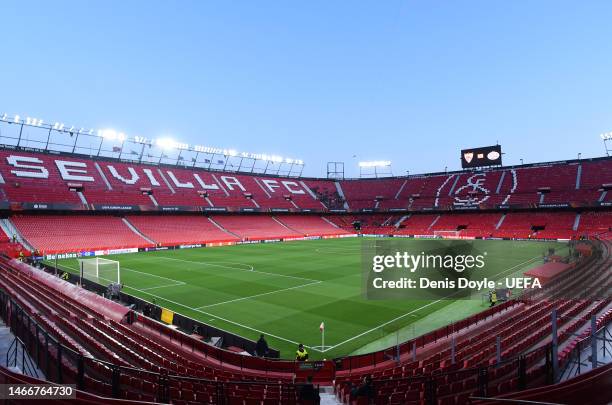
{"x": 375, "y": 163}
{"x": 375, "y": 168}
{"x": 206, "y": 154}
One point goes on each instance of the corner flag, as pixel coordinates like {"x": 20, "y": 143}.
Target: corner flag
{"x": 322, "y": 329}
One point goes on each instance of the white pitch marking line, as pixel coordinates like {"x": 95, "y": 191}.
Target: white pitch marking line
{"x": 74, "y": 268}
{"x": 175, "y": 283}
{"x": 217, "y": 317}
{"x": 163, "y": 286}
{"x": 213, "y": 315}
{"x": 337, "y": 250}
{"x": 152, "y": 275}
{"x": 260, "y": 295}
{"x": 234, "y": 268}
{"x": 415, "y": 310}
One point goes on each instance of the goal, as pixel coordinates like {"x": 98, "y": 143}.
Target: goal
{"x": 102, "y": 271}
{"x": 447, "y": 234}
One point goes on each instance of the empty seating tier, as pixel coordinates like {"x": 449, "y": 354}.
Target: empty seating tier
{"x": 58, "y": 233}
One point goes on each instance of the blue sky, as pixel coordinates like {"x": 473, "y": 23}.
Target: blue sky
{"x": 410, "y": 82}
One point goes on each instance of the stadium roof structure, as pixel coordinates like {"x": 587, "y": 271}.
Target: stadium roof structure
{"x": 36, "y": 134}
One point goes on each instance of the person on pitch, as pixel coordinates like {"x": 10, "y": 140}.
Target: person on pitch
{"x": 493, "y": 298}
{"x": 301, "y": 354}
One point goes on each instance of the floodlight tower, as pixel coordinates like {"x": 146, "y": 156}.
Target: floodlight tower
{"x": 376, "y": 169}
{"x": 335, "y": 170}
{"x": 607, "y": 138}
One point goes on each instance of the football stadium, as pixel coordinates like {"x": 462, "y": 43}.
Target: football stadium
{"x": 152, "y": 268}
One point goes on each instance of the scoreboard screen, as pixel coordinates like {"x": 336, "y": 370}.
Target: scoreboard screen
{"x": 481, "y": 157}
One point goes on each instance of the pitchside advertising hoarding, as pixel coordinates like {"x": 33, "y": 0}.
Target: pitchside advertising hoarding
{"x": 481, "y": 157}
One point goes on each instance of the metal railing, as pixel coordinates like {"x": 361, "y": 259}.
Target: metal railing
{"x": 584, "y": 356}
{"x": 62, "y": 363}
{"x": 12, "y": 358}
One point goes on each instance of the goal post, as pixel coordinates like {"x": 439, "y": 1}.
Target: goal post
{"x": 101, "y": 271}
{"x": 449, "y": 234}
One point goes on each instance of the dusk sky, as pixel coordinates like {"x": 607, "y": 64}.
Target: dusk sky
{"x": 406, "y": 81}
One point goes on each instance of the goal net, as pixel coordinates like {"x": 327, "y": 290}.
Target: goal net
{"x": 447, "y": 234}
{"x": 101, "y": 271}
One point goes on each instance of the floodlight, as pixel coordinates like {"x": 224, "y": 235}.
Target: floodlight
{"x": 376, "y": 163}
{"x": 165, "y": 143}
{"x": 108, "y": 133}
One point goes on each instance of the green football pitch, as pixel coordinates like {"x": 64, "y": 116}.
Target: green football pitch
{"x": 285, "y": 290}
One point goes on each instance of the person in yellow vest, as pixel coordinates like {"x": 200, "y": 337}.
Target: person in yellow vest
{"x": 301, "y": 354}
{"x": 493, "y": 298}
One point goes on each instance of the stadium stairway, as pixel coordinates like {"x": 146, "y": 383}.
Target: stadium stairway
{"x": 10, "y": 229}
{"x": 289, "y": 228}
{"x": 13, "y": 357}
{"x": 222, "y": 228}
{"x": 63, "y": 233}
{"x": 136, "y": 231}
{"x": 341, "y": 194}
{"x": 328, "y": 397}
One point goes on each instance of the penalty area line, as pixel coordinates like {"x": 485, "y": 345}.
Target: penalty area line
{"x": 259, "y": 295}
{"x": 164, "y": 286}
{"x": 237, "y": 269}
{"x": 152, "y": 275}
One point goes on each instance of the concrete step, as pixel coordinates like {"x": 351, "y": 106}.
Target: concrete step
{"x": 327, "y": 396}
{"x": 6, "y": 339}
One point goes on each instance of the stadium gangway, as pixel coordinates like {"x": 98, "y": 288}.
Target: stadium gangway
{"x": 13, "y": 356}
{"x": 587, "y": 351}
